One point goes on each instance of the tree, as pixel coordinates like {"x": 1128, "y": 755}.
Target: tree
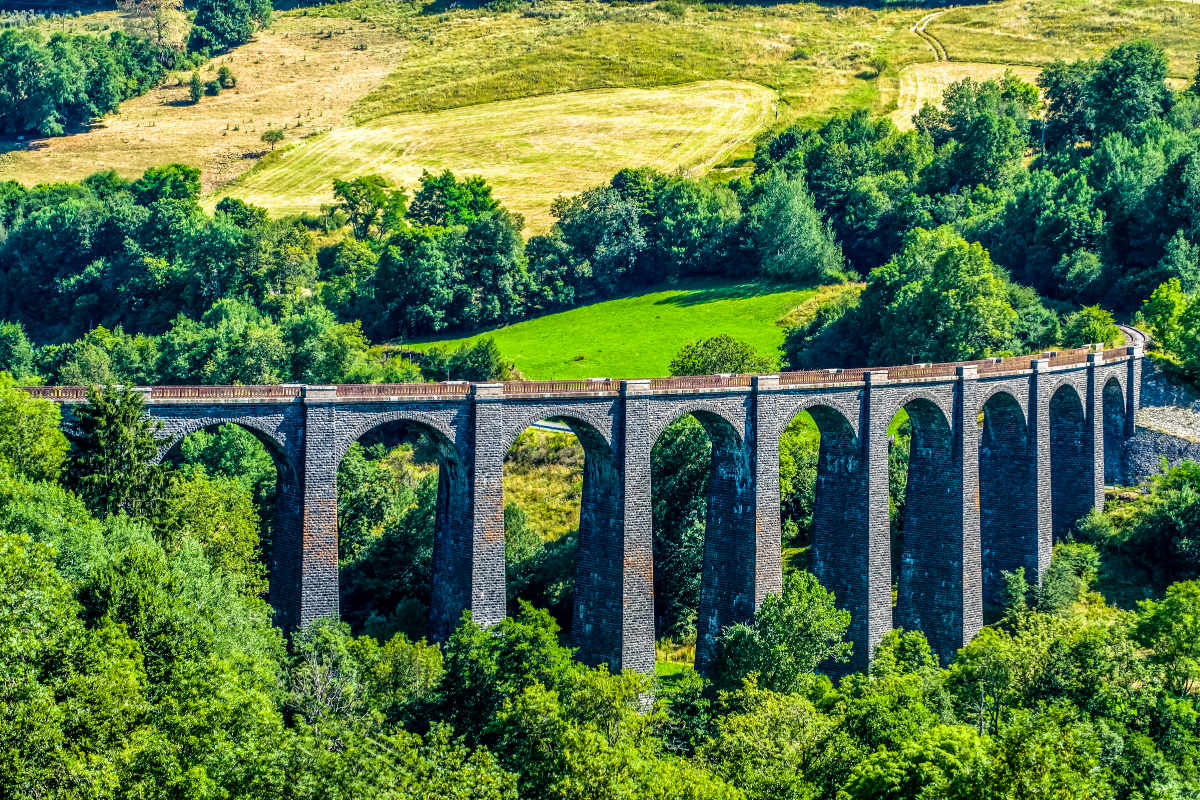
{"x": 1171, "y": 627}
{"x": 162, "y": 23}
{"x": 791, "y": 238}
{"x": 479, "y": 362}
{"x": 946, "y": 302}
{"x": 221, "y": 24}
{"x": 792, "y": 634}
{"x": 170, "y": 182}
{"x": 31, "y": 444}
{"x": 196, "y": 86}
{"x": 697, "y": 221}
{"x": 1090, "y": 325}
{"x": 1129, "y": 87}
{"x": 272, "y": 136}
{"x": 1068, "y": 118}
{"x": 990, "y": 153}
{"x": 226, "y": 77}
{"x": 110, "y": 466}
{"x": 1163, "y": 312}
{"x": 444, "y": 200}
{"x": 719, "y": 355}
{"x": 879, "y": 63}
{"x": 366, "y": 201}
{"x": 16, "y": 353}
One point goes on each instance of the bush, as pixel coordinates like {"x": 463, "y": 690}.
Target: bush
{"x": 196, "y": 87}
{"x": 1091, "y": 325}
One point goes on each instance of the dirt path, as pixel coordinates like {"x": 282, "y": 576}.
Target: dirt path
{"x": 939, "y": 51}
{"x": 925, "y": 83}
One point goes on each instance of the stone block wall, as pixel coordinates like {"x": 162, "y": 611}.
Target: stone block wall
{"x": 998, "y": 462}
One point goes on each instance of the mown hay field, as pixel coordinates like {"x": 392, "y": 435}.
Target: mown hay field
{"x": 637, "y": 336}
{"x": 925, "y": 83}
{"x": 530, "y": 150}
{"x": 1036, "y": 33}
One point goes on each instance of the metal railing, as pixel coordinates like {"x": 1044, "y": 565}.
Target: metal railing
{"x": 60, "y": 394}
{"x": 923, "y": 371}
{"x": 987, "y": 366}
{"x": 403, "y": 389}
{"x": 700, "y": 382}
{"x": 588, "y": 386}
{"x": 823, "y": 376}
{"x": 248, "y": 392}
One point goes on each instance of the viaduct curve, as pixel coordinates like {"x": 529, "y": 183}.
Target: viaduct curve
{"x": 1005, "y": 454}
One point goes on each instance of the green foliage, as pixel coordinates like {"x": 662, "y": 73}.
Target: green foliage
{"x": 109, "y": 466}
{"x": 195, "y": 87}
{"x": 791, "y": 238}
{"x": 221, "y": 24}
{"x": 52, "y": 87}
{"x": 680, "y": 463}
{"x": 31, "y": 443}
{"x": 445, "y": 201}
{"x": 1128, "y": 87}
{"x": 272, "y": 137}
{"x": 1046, "y": 750}
{"x": 719, "y": 355}
{"x": 1171, "y": 628}
{"x": 226, "y": 77}
{"x": 480, "y": 362}
{"x": 16, "y": 352}
{"x": 1091, "y": 325}
{"x": 791, "y": 636}
{"x": 368, "y": 203}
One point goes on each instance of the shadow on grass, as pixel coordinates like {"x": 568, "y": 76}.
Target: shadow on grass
{"x": 722, "y": 290}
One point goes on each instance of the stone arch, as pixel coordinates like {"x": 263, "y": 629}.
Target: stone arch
{"x": 1008, "y": 523}
{"x": 709, "y": 413}
{"x": 923, "y": 400}
{"x": 593, "y": 422}
{"x": 1072, "y": 481}
{"x": 1113, "y": 396}
{"x": 362, "y": 424}
{"x": 596, "y": 615}
{"x": 450, "y": 589}
{"x": 837, "y": 405}
{"x": 988, "y": 391}
{"x": 926, "y": 599}
{"x": 727, "y": 580}
{"x": 287, "y": 517}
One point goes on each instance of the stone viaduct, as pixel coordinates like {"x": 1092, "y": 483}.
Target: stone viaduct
{"x": 1005, "y": 454}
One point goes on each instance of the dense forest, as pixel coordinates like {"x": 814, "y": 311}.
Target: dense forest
{"x": 140, "y": 660}
{"x": 136, "y": 640}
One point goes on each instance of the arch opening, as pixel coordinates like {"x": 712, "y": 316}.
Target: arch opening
{"x": 1072, "y": 480}
{"x": 1114, "y": 430}
{"x": 401, "y": 509}
{"x": 1008, "y": 524}
{"x": 562, "y": 530}
{"x": 703, "y": 534}
{"x": 926, "y": 515}
{"x": 824, "y": 528}
{"x": 243, "y": 455}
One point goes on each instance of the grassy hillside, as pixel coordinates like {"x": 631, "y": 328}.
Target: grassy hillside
{"x": 637, "y": 336}
{"x": 530, "y": 150}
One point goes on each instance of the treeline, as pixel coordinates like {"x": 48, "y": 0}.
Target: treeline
{"x": 143, "y": 660}
{"x": 1106, "y": 212}
{"x": 53, "y": 86}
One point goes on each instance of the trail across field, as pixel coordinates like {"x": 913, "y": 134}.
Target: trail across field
{"x": 530, "y": 150}
{"x": 925, "y": 83}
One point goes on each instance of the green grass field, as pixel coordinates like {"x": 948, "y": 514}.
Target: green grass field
{"x": 530, "y": 150}
{"x": 637, "y": 336}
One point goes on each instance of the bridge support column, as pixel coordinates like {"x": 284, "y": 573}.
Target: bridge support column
{"x": 851, "y": 527}
{"x": 636, "y": 581}
{"x": 1039, "y": 433}
{"x": 1095, "y": 429}
{"x": 767, "y": 567}
{"x": 941, "y": 582}
{"x": 1133, "y": 388}
{"x": 480, "y": 561}
{"x": 312, "y": 571}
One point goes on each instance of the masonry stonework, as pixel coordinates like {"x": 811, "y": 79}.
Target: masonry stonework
{"x": 1005, "y": 455}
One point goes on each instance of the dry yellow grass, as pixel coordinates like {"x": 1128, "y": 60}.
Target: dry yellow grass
{"x": 925, "y": 83}
{"x": 283, "y": 79}
{"x": 530, "y": 150}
